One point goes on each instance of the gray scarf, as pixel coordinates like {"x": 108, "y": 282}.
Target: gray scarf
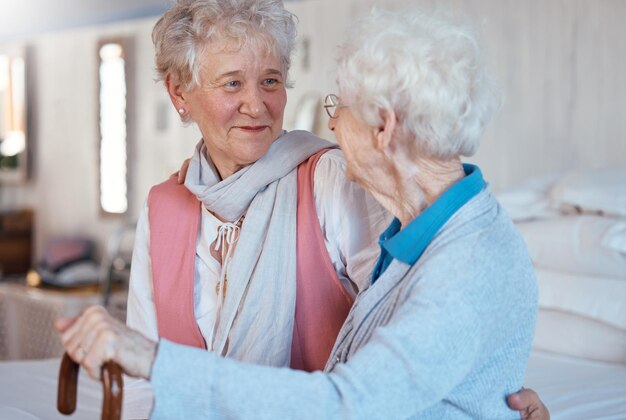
{"x": 256, "y": 320}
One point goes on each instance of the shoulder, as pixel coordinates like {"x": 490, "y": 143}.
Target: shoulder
{"x": 330, "y": 184}
{"x": 331, "y": 166}
{"x": 350, "y": 203}
{"x": 482, "y": 223}
{"x": 479, "y": 247}
{"x": 170, "y": 189}
{"x": 169, "y": 184}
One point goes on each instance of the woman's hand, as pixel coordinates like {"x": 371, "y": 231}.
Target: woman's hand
{"x": 529, "y": 405}
{"x": 182, "y": 173}
{"x": 96, "y": 337}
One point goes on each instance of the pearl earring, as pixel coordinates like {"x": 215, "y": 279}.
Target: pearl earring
{"x": 181, "y": 111}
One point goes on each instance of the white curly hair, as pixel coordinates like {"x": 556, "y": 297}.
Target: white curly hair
{"x": 428, "y": 70}
{"x": 189, "y": 26}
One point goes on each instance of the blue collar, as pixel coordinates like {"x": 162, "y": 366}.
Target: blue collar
{"x": 408, "y": 244}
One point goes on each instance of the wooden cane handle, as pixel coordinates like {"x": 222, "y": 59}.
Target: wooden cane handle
{"x": 68, "y": 383}
{"x": 112, "y": 387}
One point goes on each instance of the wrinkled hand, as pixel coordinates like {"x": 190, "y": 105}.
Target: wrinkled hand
{"x": 529, "y": 405}
{"x": 182, "y": 173}
{"x": 96, "y": 337}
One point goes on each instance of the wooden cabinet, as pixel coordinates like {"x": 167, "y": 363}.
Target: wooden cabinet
{"x": 16, "y": 232}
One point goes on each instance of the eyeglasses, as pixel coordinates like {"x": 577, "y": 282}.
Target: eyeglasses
{"x": 332, "y": 104}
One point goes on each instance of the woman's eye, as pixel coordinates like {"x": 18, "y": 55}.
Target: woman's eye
{"x": 270, "y": 82}
{"x": 233, "y": 84}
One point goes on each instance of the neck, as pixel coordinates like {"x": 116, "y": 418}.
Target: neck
{"x": 413, "y": 186}
{"x": 224, "y": 169}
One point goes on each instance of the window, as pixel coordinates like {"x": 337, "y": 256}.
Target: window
{"x": 12, "y": 117}
{"x": 113, "y": 130}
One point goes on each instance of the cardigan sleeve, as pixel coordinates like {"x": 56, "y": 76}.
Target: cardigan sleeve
{"x": 400, "y": 371}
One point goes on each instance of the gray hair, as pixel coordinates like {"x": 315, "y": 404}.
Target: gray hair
{"x": 426, "y": 69}
{"x": 189, "y": 25}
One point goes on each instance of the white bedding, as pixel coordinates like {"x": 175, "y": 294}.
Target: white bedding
{"x": 28, "y": 390}
{"x": 599, "y": 298}
{"x": 572, "y": 388}
{"x": 578, "y": 389}
{"x": 582, "y": 244}
{"x": 570, "y": 334}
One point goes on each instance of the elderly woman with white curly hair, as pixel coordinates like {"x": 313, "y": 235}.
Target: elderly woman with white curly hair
{"x": 444, "y": 330}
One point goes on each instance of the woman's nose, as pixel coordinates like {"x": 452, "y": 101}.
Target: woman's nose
{"x": 252, "y": 103}
{"x": 331, "y": 123}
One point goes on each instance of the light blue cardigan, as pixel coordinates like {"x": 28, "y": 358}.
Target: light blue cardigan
{"x": 448, "y": 337}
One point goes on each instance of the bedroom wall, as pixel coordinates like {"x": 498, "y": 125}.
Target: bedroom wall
{"x": 560, "y": 63}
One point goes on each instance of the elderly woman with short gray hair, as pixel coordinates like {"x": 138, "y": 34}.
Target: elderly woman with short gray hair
{"x": 222, "y": 260}
{"x": 444, "y": 330}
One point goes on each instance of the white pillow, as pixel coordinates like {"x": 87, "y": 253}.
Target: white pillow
{"x": 602, "y": 191}
{"x": 573, "y": 335}
{"x": 615, "y": 238}
{"x": 530, "y": 200}
{"x": 599, "y": 298}
{"x": 582, "y": 244}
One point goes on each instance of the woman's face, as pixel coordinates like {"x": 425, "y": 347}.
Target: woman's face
{"x": 358, "y": 144}
{"x": 239, "y": 104}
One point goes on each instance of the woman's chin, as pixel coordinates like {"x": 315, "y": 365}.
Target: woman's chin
{"x": 250, "y": 156}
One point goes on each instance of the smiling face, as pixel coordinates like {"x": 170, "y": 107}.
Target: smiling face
{"x": 238, "y": 105}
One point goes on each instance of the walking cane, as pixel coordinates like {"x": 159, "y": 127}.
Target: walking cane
{"x": 112, "y": 387}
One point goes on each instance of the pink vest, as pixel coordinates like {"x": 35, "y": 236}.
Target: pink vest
{"x": 322, "y": 304}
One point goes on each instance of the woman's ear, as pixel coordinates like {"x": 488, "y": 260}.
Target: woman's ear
{"x": 175, "y": 90}
{"x": 385, "y": 140}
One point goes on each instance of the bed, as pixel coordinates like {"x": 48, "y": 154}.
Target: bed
{"x": 574, "y": 225}
{"x": 576, "y": 388}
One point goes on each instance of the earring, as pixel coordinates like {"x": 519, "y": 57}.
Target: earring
{"x": 181, "y": 111}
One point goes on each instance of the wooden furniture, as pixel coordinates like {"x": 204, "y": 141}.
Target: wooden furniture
{"x": 16, "y": 231}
